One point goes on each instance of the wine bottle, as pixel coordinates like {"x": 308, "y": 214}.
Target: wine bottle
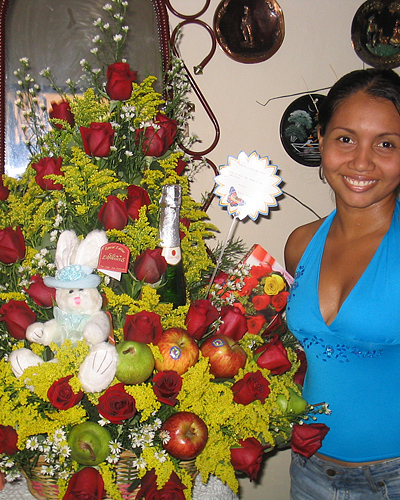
{"x": 173, "y": 286}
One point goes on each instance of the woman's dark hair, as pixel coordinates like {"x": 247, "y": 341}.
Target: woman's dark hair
{"x": 383, "y": 83}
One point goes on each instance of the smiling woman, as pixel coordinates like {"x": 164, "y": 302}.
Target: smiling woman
{"x": 58, "y": 34}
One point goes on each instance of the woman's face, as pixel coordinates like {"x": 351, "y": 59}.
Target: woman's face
{"x": 361, "y": 151}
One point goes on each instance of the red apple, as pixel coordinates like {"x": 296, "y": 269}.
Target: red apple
{"x": 179, "y": 351}
{"x": 226, "y": 356}
{"x": 188, "y": 435}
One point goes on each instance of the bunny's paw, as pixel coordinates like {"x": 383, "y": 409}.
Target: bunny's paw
{"x": 98, "y": 368}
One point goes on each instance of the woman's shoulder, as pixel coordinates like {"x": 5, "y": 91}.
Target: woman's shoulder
{"x": 297, "y": 243}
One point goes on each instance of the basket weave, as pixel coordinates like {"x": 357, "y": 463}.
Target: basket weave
{"x": 44, "y": 487}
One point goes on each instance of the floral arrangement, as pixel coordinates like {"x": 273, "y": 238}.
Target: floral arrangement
{"x": 101, "y": 166}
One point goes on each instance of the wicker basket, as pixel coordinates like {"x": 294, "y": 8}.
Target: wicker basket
{"x": 44, "y": 487}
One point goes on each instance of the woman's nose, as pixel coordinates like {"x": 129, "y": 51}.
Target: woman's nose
{"x": 362, "y": 159}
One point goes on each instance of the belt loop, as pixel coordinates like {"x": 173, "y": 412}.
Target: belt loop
{"x": 368, "y": 477}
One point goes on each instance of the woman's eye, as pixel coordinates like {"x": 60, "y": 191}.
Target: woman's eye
{"x": 385, "y": 144}
{"x": 345, "y": 139}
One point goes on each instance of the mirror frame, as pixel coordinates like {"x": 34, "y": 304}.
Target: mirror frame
{"x": 164, "y": 47}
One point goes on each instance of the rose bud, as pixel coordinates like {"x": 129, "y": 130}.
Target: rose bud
{"x": 180, "y": 167}
{"x": 200, "y": 316}
{"x": 234, "y": 322}
{"x": 4, "y": 191}
{"x": 86, "y": 484}
{"x": 61, "y": 395}
{"x": 248, "y": 457}
{"x": 12, "y": 245}
{"x": 143, "y": 327}
{"x": 155, "y": 140}
{"x": 220, "y": 278}
{"x": 113, "y": 214}
{"x": 273, "y": 356}
{"x": 137, "y": 198}
{"x": 17, "y": 316}
{"x": 307, "y": 438}
{"x": 97, "y": 139}
{"x": 116, "y": 405}
{"x": 167, "y": 385}
{"x": 119, "y": 81}
{"x": 8, "y": 440}
{"x": 48, "y": 166}
{"x": 172, "y": 489}
{"x": 41, "y": 294}
{"x": 298, "y": 377}
{"x": 251, "y": 387}
{"x": 149, "y": 266}
{"x": 61, "y": 111}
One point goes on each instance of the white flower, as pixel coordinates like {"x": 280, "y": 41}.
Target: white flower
{"x": 161, "y": 456}
{"x": 94, "y": 51}
{"x": 128, "y": 153}
{"x": 107, "y": 7}
{"x": 117, "y": 38}
{"x": 106, "y": 26}
{"x": 97, "y": 22}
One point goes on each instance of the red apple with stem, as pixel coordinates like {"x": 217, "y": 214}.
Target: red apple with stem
{"x": 188, "y": 435}
{"x": 180, "y": 351}
{"x": 225, "y": 355}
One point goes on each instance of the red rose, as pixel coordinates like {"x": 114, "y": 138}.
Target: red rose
{"x": 17, "y": 316}
{"x": 249, "y": 284}
{"x": 261, "y": 302}
{"x": 97, "y": 139}
{"x": 298, "y": 377}
{"x": 307, "y": 438}
{"x": 185, "y": 221}
{"x": 8, "y": 440}
{"x": 62, "y": 111}
{"x": 137, "y": 197}
{"x": 149, "y": 266}
{"x": 143, "y": 327}
{"x": 116, "y": 405}
{"x": 251, "y": 387}
{"x": 119, "y": 81}
{"x": 180, "y": 167}
{"x": 234, "y": 322}
{"x": 12, "y": 245}
{"x": 42, "y": 295}
{"x": 255, "y": 323}
{"x": 279, "y": 301}
{"x": 220, "y": 278}
{"x": 273, "y": 356}
{"x": 172, "y": 490}
{"x": 113, "y": 214}
{"x": 61, "y": 395}
{"x": 167, "y": 385}
{"x": 48, "y": 166}
{"x": 155, "y": 140}
{"x": 261, "y": 270}
{"x": 4, "y": 191}
{"x": 273, "y": 325}
{"x": 199, "y": 317}
{"x": 248, "y": 457}
{"x": 87, "y": 484}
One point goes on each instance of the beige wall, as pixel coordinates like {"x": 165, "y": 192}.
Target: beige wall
{"x": 315, "y": 52}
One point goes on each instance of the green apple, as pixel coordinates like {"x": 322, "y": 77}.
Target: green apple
{"x": 89, "y": 443}
{"x": 295, "y": 404}
{"x": 135, "y": 362}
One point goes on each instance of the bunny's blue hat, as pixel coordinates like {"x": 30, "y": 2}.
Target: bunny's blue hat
{"x": 74, "y": 276}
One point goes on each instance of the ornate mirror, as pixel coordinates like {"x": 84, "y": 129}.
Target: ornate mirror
{"x": 58, "y": 34}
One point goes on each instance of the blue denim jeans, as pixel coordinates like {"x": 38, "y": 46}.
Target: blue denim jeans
{"x": 316, "y": 479}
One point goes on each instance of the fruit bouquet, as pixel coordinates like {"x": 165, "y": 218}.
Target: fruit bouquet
{"x": 108, "y": 390}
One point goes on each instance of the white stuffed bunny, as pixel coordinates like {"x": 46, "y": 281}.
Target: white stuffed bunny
{"x": 78, "y": 314}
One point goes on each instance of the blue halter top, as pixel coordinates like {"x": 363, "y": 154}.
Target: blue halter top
{"x": 354, "y": 363}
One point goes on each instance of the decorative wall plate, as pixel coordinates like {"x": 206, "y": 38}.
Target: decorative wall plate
{"x": 298, "y": 130}
{"x": 249, "y": 31}
{"x": 375, "y": 33}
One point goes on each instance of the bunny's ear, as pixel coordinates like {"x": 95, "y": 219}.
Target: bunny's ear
{"x": 67, "y": 245}
{"x": 88, "y": 251}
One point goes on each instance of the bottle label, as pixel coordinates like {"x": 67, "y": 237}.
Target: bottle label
{"x": 172, "y": 255}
